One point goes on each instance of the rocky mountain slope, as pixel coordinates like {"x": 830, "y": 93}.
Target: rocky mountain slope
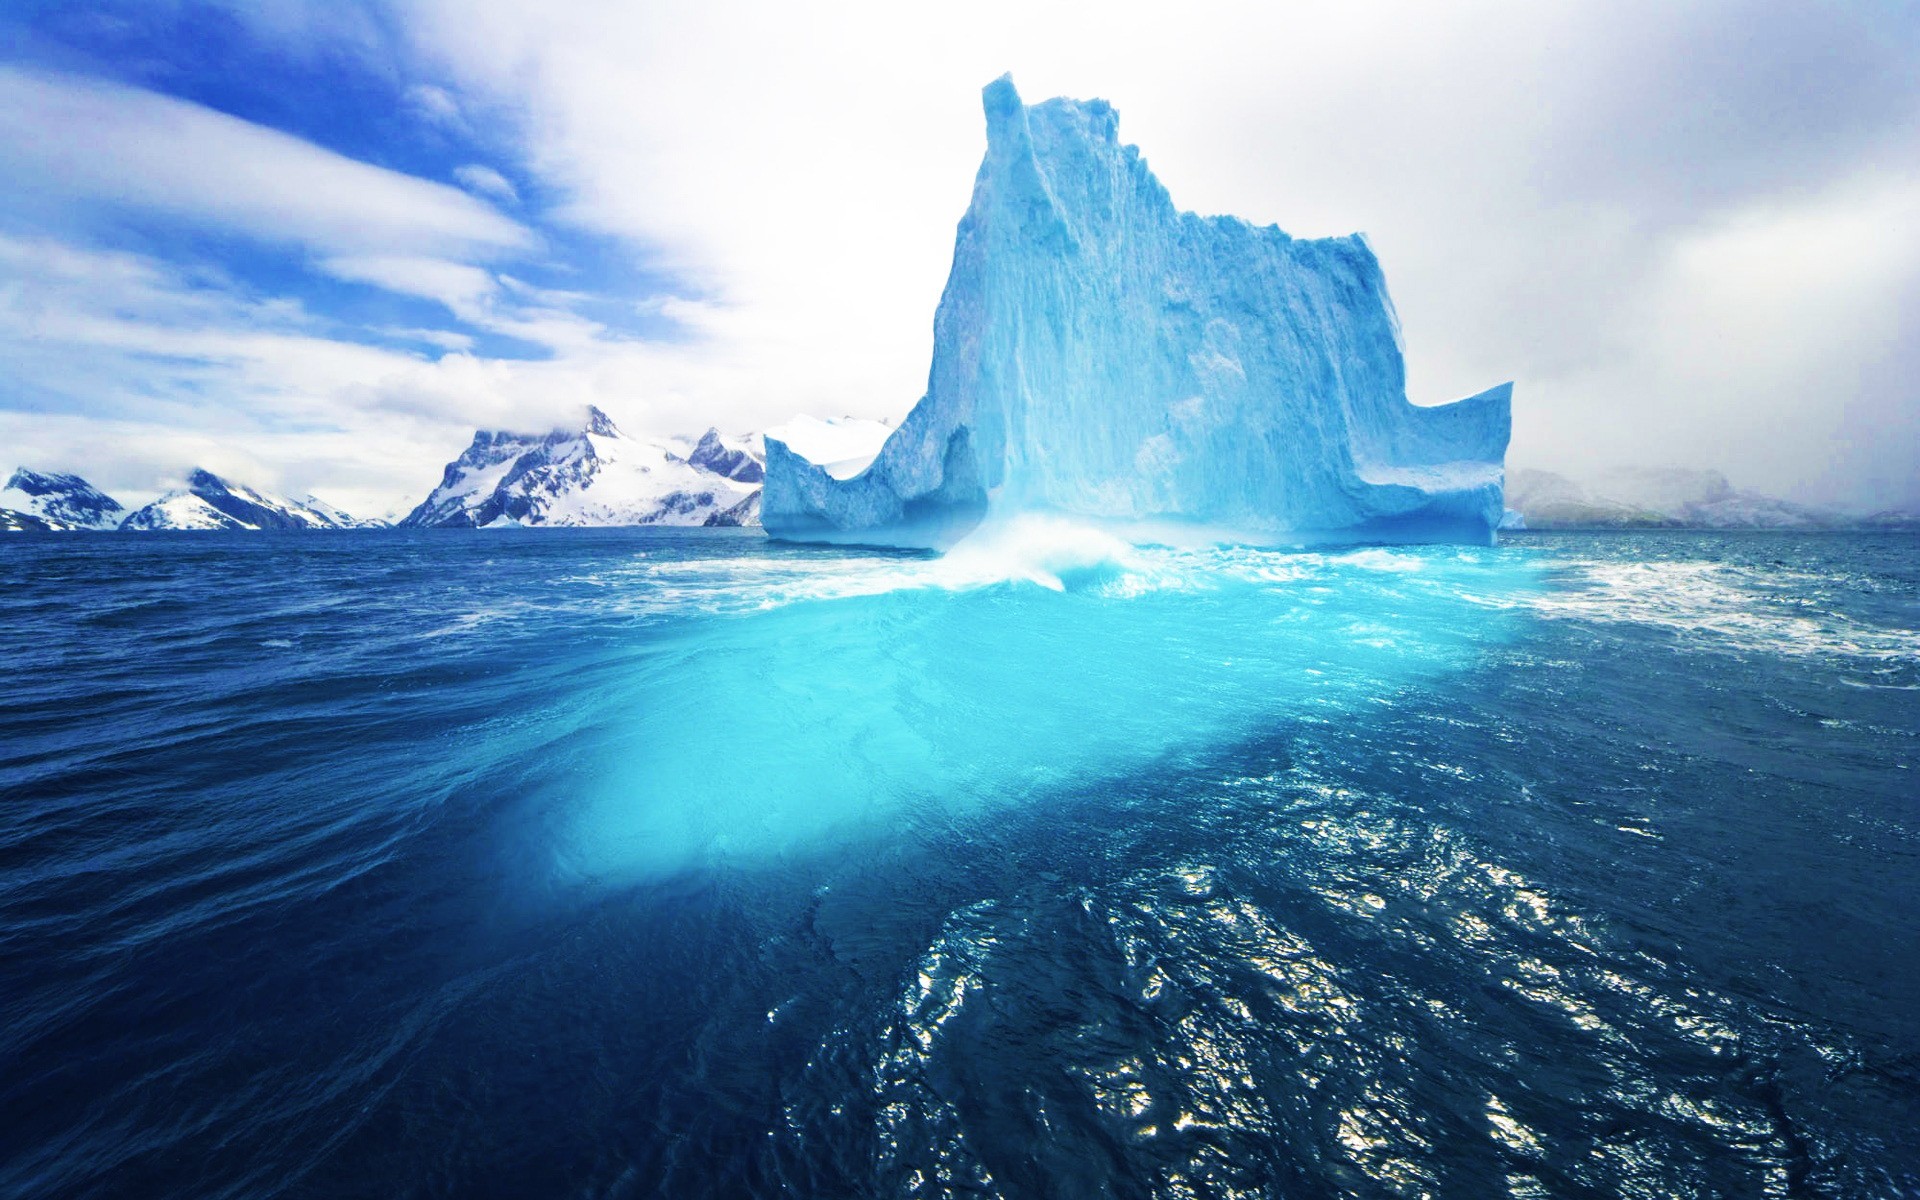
{"x": 595, "y": 475}
{"x": 210, "y": 502}
{"x": 52, "y": 501}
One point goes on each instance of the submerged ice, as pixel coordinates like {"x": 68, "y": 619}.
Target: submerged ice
{"x": 1038, "y": 659}
{"x": 1100, "y": 354}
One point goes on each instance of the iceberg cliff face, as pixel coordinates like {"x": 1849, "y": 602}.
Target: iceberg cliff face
{"x": 1098, "y": 353}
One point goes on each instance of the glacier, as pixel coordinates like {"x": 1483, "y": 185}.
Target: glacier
{"x": 1100, "y": 354}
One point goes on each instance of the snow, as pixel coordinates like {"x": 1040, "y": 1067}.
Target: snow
{"x": 181, "y": 510}
{"x": 737, "y": 456}
{"x": 596, "y": 475}
{"x": 211, "y": 502}
{"x": 60, "y": 501}
{"x": 14, "y": 521}
{"x": 840, "y": 446}
{"x": 337, "y": 518}
{"x": 1099, "y": 354}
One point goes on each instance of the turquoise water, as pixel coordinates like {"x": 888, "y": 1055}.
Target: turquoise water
{"x": 631, "y": 861}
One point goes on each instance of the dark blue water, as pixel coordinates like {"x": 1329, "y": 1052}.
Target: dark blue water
{"x": 627, "y": 863}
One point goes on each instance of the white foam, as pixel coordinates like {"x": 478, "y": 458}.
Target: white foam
{"x": 1719, "y": 604}
{"x": 1045, "y": 550}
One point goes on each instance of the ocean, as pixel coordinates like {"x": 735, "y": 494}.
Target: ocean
{"x": 638, "y": 862}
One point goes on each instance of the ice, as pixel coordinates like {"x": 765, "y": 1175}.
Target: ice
{"x": 1099, "y": 354}
{"x": 841, "y": 446}
{"x": 806, "y": 700}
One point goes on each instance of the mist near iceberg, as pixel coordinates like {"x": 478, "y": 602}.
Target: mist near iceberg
{"x": 835, "y": 700}
{"x": 1102, "y": 355}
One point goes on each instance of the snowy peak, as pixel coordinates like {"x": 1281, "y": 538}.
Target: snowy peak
{"x": 339, "y": 518}
{"x": 58, "y": 502}
{"x": 734, "y": 457}
{"x": 595, "y": 475}
{"x": 180, "y": 510}
{"x": 210, "y": 502}
{"x": 600, "y": 424}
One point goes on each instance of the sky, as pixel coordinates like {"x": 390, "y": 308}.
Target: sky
{"x": 314, "y": 245}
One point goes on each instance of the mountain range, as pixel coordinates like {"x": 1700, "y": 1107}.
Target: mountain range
{"x": 600, "y": 475}
{"x": 1668, "y": 498}
{"x": 594, "y": 475}
{"x": 56, "y": 503}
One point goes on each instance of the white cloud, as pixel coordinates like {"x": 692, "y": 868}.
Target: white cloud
{"x": 65, "y": 140}
{"x": 458, "y": 286}
{"x": 1679, "y": 242}
{"x": 130, "y": 371}
{"x": 486, "y": 181}
{"x": 435, "y": 104}
{"x": 445, "y": 339}
{"x": 1527, "y": 173}
{"x": 1764, "y": 337}
{"x": 501, "y": 305}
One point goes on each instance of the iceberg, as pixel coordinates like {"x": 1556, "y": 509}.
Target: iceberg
{"x": 1099, "y": 354}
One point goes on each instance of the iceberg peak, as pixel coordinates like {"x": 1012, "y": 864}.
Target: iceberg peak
{"x": 1100, "y": 354}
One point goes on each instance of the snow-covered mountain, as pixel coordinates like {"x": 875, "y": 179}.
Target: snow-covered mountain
{"x": 34, "y": 500}
{"x": 14, "y": 521}
{"x": 596, "y": 475}
{"x": 738, "y": 458}
{"x": 1655, "y": 497}
{"x": 210, "y": 502}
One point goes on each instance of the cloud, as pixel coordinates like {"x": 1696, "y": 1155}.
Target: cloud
{"x": 461, "y": 288}
{"x": 486, "y": 181}
{"x": 1780, "y": 336}
{"x": 502, "y": 305}
{"x": 434, "y": 104}
{"x": 131, "y": 370}
{"x": 1530, "y": 174}
{"x": 66, "y": 140}
{"x": 1686, "y": 231}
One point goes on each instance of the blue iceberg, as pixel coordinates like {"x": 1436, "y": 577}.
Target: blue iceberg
{"x": 1100, "y": 354}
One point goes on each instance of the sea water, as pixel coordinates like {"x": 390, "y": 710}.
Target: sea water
{"x": 636, "y": 862}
